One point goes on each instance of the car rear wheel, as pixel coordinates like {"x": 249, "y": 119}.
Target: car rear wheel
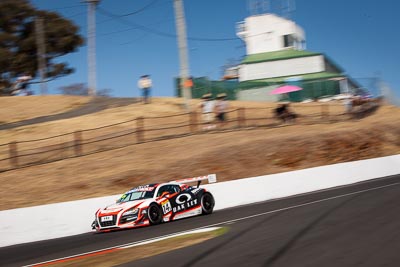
{"x": 155, "y": 214}
{"x": 207, "y": 203}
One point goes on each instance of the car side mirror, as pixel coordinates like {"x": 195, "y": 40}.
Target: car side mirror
{"x": 164, "y": 194}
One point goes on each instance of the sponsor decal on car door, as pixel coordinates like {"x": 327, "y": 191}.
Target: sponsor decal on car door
{"x": 184, "y": 201}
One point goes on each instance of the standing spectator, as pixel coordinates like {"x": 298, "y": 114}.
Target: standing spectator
{"x": 220, "y": 108}
{"x": 21, "y": 85}
{"x": 207, "y": 108}
{"x": 145, "y": 85}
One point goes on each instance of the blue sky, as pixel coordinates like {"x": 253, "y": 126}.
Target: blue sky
{"x": 359, "y": 35}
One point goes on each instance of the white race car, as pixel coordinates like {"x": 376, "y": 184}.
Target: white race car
{"x": 156, "y": 203}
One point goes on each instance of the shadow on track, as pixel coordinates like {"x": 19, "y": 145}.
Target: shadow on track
{"x": 236, "y": 236}
{"x": 286, "y": 247}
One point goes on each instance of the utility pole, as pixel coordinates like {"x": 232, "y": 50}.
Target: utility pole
{"x": 183, "y": 51}
{"x": 41, "y": 54}
{"x": 92, "y": 46}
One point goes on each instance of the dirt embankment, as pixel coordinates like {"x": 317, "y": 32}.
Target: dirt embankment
{"x": 229, "y": 154}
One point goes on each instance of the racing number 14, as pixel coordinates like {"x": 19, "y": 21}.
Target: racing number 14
{"x": 166, "y": 206}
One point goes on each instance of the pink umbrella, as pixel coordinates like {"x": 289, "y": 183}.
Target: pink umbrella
{"x": 285, "y": 89}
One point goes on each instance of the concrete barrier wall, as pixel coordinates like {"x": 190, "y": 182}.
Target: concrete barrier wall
{"x": 279, "y": 185}
{"x": 74, "y": 217}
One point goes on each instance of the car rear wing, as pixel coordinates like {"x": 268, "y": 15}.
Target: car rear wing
{"x": 212, "y": 178}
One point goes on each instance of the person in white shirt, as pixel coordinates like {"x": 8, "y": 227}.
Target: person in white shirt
{"x": 145, "y": 85}
{"x": 207, "y": 109}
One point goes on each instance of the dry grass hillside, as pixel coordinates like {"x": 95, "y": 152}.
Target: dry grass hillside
{"x": 14, "y": 109}
{"x": 230, "y": 154}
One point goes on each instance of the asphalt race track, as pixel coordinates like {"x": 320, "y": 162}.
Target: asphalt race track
{"x": 356, "y": 225}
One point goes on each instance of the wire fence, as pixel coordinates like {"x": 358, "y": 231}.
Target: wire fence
{"x": 19, "y": 154}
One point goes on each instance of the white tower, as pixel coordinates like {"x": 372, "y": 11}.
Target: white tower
{"x": 269, "y": 32}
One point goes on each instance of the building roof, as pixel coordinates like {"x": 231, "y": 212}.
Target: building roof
{"x": 280, "y": 80}
{"x": 278, "y": 55}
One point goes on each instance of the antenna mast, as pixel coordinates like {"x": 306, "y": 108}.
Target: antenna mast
{"x": 183, "y": 51}
{"x": 257, "y": 7}
{"x": 92, "y": 46}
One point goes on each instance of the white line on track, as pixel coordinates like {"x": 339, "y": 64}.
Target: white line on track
{"x": 154, "y": 239}
{"x": 202, "y": 230}
{"x": 301, "y": 205}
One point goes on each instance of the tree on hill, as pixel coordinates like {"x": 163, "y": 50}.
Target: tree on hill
{"x": 18, "y": 49}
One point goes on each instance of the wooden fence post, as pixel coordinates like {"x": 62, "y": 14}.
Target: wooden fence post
{"x": 325, "y": 111}
{"x": 139, "y": 130}
{"x": 193, "y": 121}
{"x": 13, "y": 152}
{"x": 78, "y": 143}
{"x": 241, "y": 117}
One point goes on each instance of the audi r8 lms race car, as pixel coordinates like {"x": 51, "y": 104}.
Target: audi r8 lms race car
{"x": 156, "y": 203}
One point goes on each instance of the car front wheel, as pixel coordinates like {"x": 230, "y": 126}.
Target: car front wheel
{"x": 155, "y": 214}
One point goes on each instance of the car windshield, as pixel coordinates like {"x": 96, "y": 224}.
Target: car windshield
{"x": 136, "y": 194}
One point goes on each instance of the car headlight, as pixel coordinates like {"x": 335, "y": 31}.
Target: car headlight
{"x": 130, "y": 212}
